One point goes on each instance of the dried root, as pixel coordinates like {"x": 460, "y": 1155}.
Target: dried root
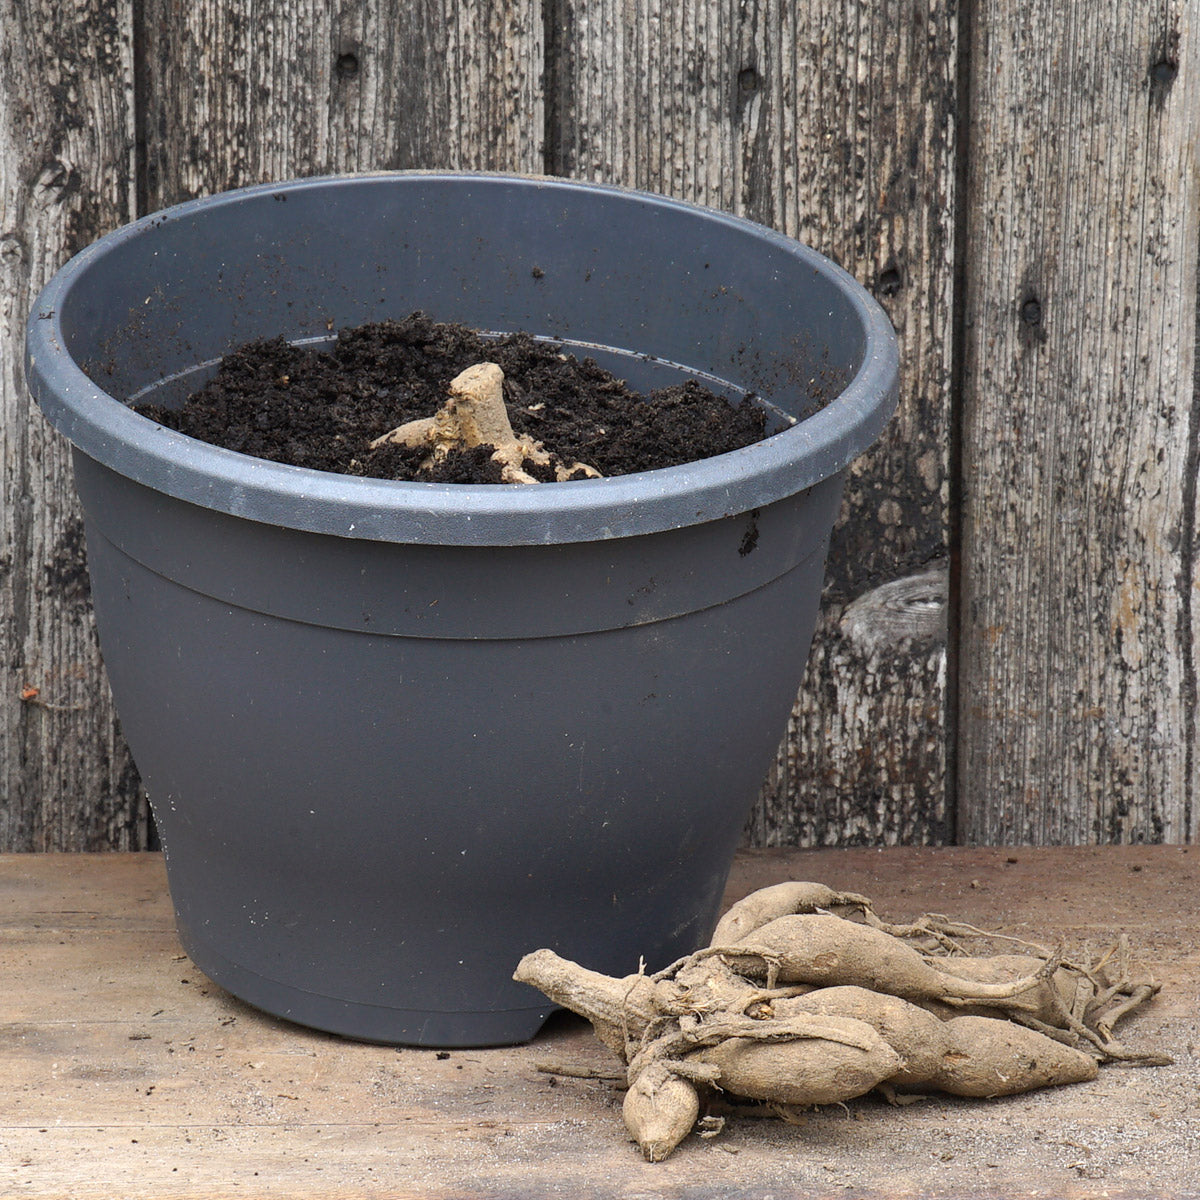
{"x": 822, "y": 949}
{"x": 823, "y": 1060}
{"x": 793, "y": 1006}
{"x": 963, "y": 1056}
{"x": 475, "y": 415}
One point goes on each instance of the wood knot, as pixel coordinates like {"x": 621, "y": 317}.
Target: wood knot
{"x": 908, "y": 609}
{"x": 12, "y": 251}
{"x": 55, "y": 183}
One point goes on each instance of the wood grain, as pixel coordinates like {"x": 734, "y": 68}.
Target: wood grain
{"x": 66, "y": 132}
{"x": 1078, "y": 675}
{"x": 835, "y": 124}
{"x": 127, "y": 1073}
{"x": 272, "y": 89}
{"x": 1071, "y": 641}
{"x": 225, "y": 95}
{"x": 878, "y": 663}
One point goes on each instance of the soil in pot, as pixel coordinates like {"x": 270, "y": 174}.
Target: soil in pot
{"x": 328, "y": 408}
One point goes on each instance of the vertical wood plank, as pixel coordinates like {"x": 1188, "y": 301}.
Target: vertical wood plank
{"x": 225, "y": 95}
{"x": 1077, "y": 711}
{"x": 270, "y": 89}
{"x": 866, "y": 116}
{"x": 833, "y": 122}
{"x": 66, "y": 132}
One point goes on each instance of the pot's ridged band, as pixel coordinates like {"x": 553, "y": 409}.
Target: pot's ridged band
{"x": 402, "y": 590}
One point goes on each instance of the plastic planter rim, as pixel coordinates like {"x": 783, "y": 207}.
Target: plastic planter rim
{"x": 102, "y": 427}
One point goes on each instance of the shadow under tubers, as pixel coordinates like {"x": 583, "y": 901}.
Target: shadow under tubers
{"x": 796, "y": 1005}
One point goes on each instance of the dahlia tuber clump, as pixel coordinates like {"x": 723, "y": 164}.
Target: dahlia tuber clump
{"x": 793, "y": 1004}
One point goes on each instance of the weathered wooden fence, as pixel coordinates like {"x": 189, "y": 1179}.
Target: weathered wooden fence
{"x": 1008, "y": 650}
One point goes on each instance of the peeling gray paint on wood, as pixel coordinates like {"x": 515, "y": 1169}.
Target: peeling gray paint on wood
{"x": 1077, "y": 713}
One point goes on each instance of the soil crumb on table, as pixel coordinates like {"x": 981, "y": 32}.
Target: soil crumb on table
{"x": 322, "y": 408}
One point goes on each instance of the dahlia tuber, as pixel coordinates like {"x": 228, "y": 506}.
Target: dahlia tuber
{"x": 620, "y": 1010}
{"x": 660, "y": 1109}
{"x": 964, "y": 1056}
{"x": 839, "y": 1059}
{"x": 778, "y": 900}
{"x": 824, "y": 949}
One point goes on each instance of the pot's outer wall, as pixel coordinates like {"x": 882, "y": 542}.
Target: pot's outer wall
{"x": 398, "y": 735}
{"x": 599, "y": 266}
{"x": 433, "y": 807}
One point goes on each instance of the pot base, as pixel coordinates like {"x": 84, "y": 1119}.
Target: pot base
{"x": 365, "y": 1022}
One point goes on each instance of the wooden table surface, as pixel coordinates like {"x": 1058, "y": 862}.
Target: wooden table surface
{"x": 125, "y": 1073}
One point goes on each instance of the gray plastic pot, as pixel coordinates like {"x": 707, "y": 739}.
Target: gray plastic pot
{"x": 398, "y": 734}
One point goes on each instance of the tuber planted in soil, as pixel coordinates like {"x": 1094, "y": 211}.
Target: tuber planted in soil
{"x": 474, "y": 416}
{"x": 376, "y": 402}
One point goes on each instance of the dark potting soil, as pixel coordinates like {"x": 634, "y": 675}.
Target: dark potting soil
{"x": 322, "y": 408}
